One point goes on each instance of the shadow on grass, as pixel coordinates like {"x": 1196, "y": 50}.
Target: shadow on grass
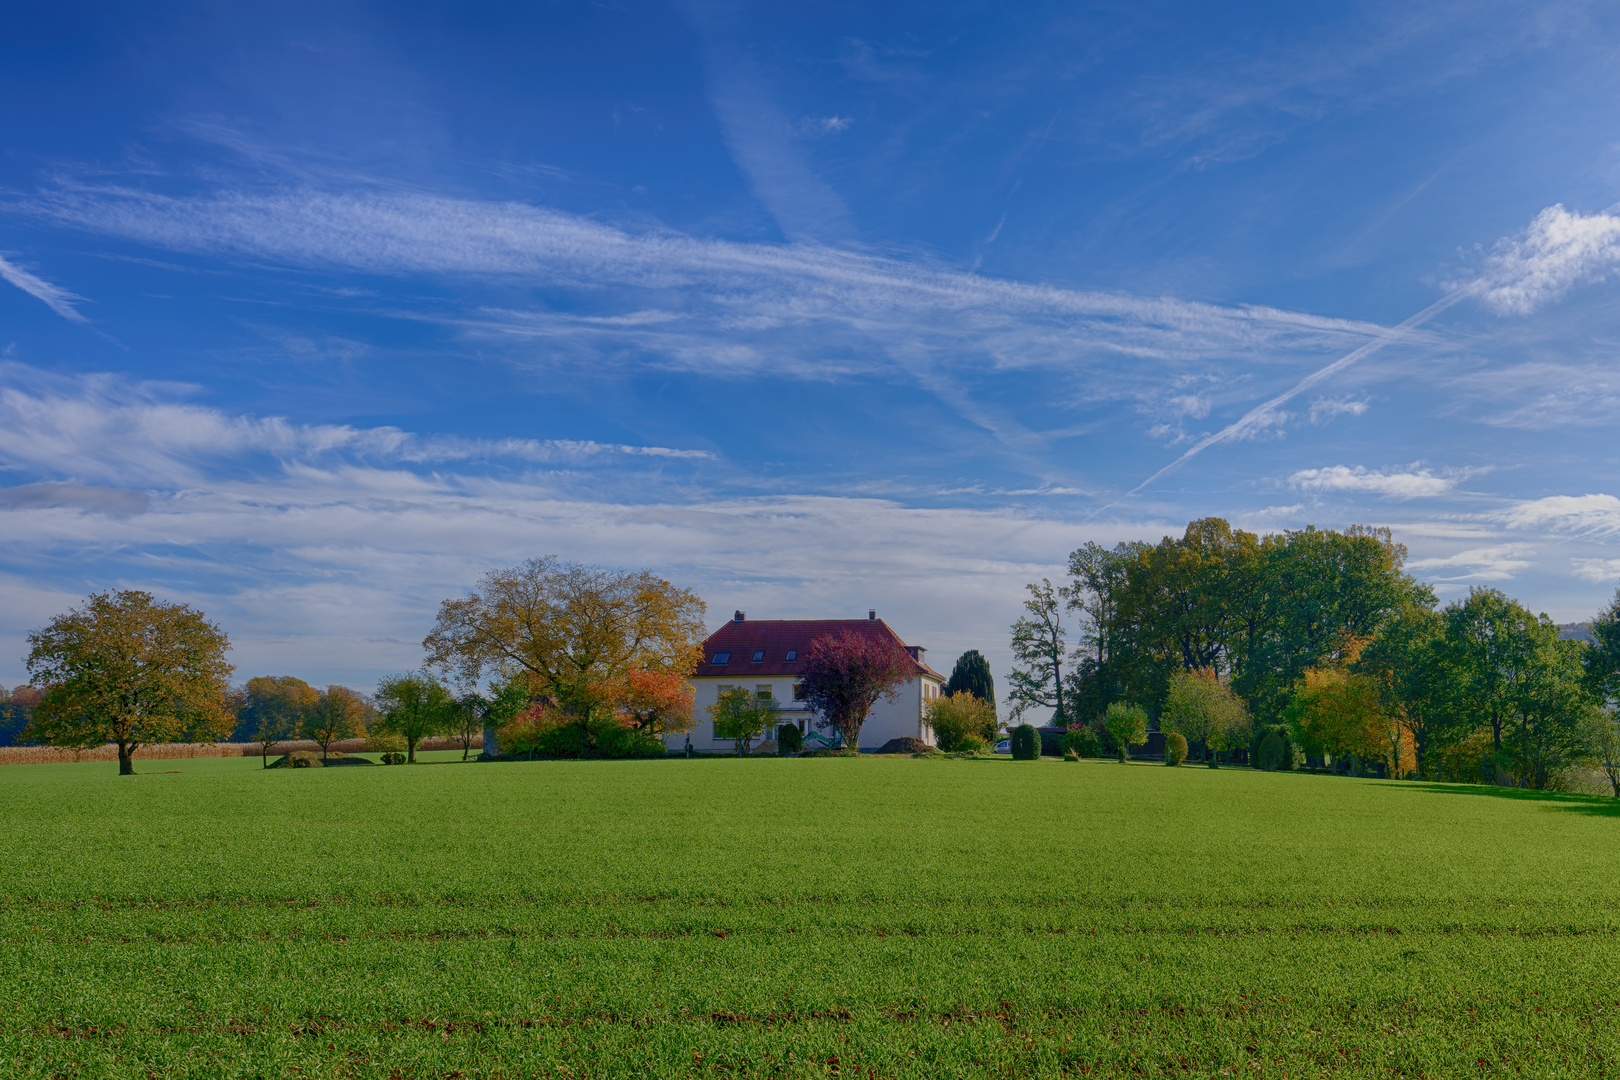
{"x": 1594, "y": 805}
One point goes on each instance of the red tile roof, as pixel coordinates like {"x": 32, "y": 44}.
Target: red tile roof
{"x": 775, "y": 637}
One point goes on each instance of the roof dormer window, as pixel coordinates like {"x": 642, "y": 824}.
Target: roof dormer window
{"x": 722, "y": 658}
{"x": 792, "y": 655}
{"x": 759, "y": 654}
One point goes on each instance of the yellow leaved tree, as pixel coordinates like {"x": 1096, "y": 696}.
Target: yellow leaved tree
{"x": 577, "y": 631}
{"x": 129, "y": 669}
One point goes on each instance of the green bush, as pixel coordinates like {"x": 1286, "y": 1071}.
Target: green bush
{"x": 1070, "y": 755}
{"x": 1127, "y": 726}
{"x": 1175, "y": 748}
{"x": 392, "y": 757}
{"x": 1026, "y": 743}
{"x": 1082, "y": 741}
{"x": 789, "y": 739}
{"x": 618, "y": 741}
{"x": 969, "y": 744}
{"x": 1274, "y": 752}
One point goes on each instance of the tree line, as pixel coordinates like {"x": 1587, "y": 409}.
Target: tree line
{"x": 1330, "y": 646}
{"x": 559, "y": 659}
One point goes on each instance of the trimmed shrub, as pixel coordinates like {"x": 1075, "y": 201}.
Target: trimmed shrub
{"x": 789, "y": 739}
{"x": 1274, "y": 752}
{"x": 1026, "y": 743}
{"x": 393, "y": 757}
{"x": 1175, "y": 748}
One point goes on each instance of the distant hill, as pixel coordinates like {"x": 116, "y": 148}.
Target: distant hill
{"x": 1580, "y": 631}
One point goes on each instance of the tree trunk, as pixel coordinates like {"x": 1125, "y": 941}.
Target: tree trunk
{"x": 126, "y": 759}
{"x": 410, "y": 750}
{"x": 1214, "y": 757}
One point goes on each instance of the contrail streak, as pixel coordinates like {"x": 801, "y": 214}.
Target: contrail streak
{"x": 1261, "y": 413}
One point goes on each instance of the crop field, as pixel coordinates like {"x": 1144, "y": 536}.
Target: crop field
{"x": 882, "y": 917}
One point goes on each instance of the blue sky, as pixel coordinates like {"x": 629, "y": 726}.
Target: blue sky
{"x": 312, "y": 313}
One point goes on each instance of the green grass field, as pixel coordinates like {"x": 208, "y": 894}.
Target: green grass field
{"x": 814, "y": 917}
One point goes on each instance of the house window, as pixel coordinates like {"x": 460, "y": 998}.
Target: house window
{"x": 722, "y": 658}
{"x": 762, "y": 692}
{"x": 798, "y": 691}
{"x": 801, "y": 727}
{"x": 792, "y": 655}
{"x": 759, "y": 654}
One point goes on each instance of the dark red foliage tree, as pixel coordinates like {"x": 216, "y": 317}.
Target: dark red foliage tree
{"x": 846, "y": 673}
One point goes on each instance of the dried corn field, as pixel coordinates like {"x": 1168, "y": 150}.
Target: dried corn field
{"x": 52, "y": 755}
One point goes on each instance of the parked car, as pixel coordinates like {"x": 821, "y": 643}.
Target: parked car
{"x": 1004, "y": 746}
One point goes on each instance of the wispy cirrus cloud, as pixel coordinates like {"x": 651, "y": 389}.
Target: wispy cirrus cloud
{"x": 1566, "y": 513}
{"x": 722, "y": 308}
{"x": 104, "y": 427}
{"x": 52, "y": 296}
{"x": 1499, "y": 562}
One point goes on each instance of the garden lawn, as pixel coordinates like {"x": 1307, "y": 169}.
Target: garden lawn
{"x": 879, "y": 917}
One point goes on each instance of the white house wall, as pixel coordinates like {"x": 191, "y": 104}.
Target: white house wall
{"x": 901, "y": 718}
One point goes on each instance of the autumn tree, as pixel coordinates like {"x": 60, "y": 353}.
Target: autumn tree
{"x": 972, "y": 675}
{"x": 656, "y": 702}
{"x": 273, "y": 708}
{"x": 1039, "y": 643}
{"x": 129, "y": 669}
{"x": 413, "y": 706}
{"x": 1203, "y": 709}
{"x": 1338, "y": 712}
{"x": 846, "y": 673}
{"x": 743, "y": 717}
{"x": 339, "y": 713}
{"x": 953, "y": 717}
{"x": 574, "y": 630}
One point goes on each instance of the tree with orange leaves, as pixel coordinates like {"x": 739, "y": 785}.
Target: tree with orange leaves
{"x": 657, "y": 702}
{"x": 1339, "y": 711}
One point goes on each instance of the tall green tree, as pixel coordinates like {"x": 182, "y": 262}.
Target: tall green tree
{"x": 129, "y": 669}
{"x": 1097, "y": 589}
{"x": 1552, "y": 711}
{"x": 1040, "y": 644}
{"x": 1490, "y": 640}
{"x": 1602, "y": 660}
{"x": 1418, "y": 681}
{"x": 972, "y": 675}
{"x": 414, "y": 706}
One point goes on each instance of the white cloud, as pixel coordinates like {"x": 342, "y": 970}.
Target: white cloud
{"x": 1600, "y": 570}
{"x": 1324, "y": 409}
{"x": 106, "y": 428}
{"x": 1497, "y": 563}
{"x": 1558, "y": 251}
{"x": 1409, "y": 484}
{"x": 54, "y": 297}
{"x": 1567, "y": 513}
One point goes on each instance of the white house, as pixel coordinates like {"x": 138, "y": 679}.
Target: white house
{"x": 765, "y": 657}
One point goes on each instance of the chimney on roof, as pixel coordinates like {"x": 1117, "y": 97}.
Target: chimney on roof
{"x": 871, "y": 614}
{"x": 739, "y": 617}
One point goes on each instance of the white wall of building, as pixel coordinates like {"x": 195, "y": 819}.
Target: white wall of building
{"x": 901, "y": 718}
